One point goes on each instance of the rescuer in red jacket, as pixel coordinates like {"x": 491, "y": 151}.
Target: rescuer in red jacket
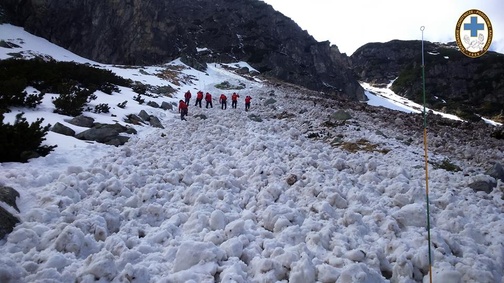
{"x": 223, "y": 101}
{"x": 183, "y": 110}
{"x": 199, "y": 98}
{"x": 247, "y": 102}
{"x": 187, "y": 97}
{"x": 208, "y": 99}
{"x": 234, "y": 99}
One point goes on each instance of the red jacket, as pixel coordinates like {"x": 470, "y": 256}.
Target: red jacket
{"x": 222, "y": 98}
{"x": 187, "y": 94}
{"x": 234, "y": 97}
{"x": 182, "y": 106}
{"x": 208, "y": 97}
{"x": 199, "y": 95}
{"x": 247, "y": 99}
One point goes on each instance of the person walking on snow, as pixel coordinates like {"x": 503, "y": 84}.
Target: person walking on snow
{"x": 187, "y": 97}
{"x": 183, "y": 110}
{"x": 247, "y": 102}
{"x": 234, "y": 99}
{"x": 199, "y": 98}
{"x": 223, "y": 101}
{"x": 208, "y": 99}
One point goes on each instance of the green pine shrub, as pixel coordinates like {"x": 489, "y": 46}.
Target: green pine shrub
{"x": 108, "y": 88}
{"x": 12, "y": 93}
{"x": 52, "y": 77}
{"x": 71, "y": 100}
{"x": 447, "y": 165}
{"x": 102, "y": 108}
{"x": 22, "y": 140}
{"x": 122, "y": 104}
{"x": 139, "y": 88}
{"x": 138, "y": 98}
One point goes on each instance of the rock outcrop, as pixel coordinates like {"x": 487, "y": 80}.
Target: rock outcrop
{"x": 106, "y": 133}
{"x": 103, "y": 133}
{"x": 199, "y": 31}
{"x": 7, "y": 220}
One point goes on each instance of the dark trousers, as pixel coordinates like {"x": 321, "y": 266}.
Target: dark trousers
{"x": 183, "y": 113}
{"x": 209, "y": 102}
{"x": 187, "y": 101}
{"x": 198, "y": 102}
{"x": 224, "y": 104}
{"x": 247, "y": 106}
{"x": 233, "y": 103}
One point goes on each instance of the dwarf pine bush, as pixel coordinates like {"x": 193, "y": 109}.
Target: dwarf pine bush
{"x": 71, "y": 100}
{"x": 12, "y": 93}
{"x": 76, "y": 83}
{"x": 22, "y": 140}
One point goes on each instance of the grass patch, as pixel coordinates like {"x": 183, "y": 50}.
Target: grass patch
{"x": 173, "y": 74}
{"x": 362, "y": 145}
{"x": 284, "y": 115}
{"x": 226, "y": 86}
{"x": 447, "y": 165}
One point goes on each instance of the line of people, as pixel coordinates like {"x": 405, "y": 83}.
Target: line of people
{"x": 184, "y": 104}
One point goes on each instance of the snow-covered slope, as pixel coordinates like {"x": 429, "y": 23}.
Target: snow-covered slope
{"x": 245, "y": 197}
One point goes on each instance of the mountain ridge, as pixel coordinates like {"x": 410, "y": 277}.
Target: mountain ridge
{"x": 147, "y": 32}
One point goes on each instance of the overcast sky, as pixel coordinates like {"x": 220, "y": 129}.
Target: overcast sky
{"x": 351, "y": 24}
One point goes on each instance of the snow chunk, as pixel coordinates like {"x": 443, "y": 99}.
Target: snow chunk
{"x": 201, "y": 273}
{"x": 327, "y": 273}
{"x": 56, "y": 261}
{"x": 337, "y": 200}
{"x": 10, "y": 271}
{"x": 134, "y": 274}
{"x": 100, "y": 265}
{"x": 281, "y": 224}
{"x": 267, "y": 270}
{"x": 70, "y": 240}
{"x": 274, "y": 212}
{"x": 411, "y": 215}
{"x": 23, "y": 240}
{"x": 403, "y": 269}
{"x": 302, "y": 271}
{"x": 233, "y": 247}
{"x": 356, "y": 255}
{"x": 235, "y": 228}
{"x": 216, "y": 237}
{"x": 444, "y": 275}
{"x": 95, "y": 225}
{"x": 359, "y": 273}
{"x": 191, "y": 253}
{"x": 234, "y": 273}
{"x": 217, "y": 220}
{"x": 197, "y": 221}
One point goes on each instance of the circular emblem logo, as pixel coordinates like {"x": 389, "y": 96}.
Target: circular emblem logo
{"x": 474, "y": 33}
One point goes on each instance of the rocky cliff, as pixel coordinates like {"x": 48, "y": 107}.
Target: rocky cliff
{"x": 156, "y": 31}
{"x": 454, "y": 83}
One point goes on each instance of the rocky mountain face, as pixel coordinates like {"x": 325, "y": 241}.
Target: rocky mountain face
{"x": 454, "y": 83}
{"x": 156, "y": 31}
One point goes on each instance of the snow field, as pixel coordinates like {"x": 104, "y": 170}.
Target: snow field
{"x": 209, "y": 201}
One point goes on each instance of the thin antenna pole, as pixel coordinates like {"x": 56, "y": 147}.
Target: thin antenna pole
{"x": 422, "y": 28}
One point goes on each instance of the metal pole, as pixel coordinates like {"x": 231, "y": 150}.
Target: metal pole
{"x": 422, "y": 28}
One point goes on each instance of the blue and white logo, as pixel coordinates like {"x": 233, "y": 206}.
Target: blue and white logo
{"x": 474, "y": 33}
